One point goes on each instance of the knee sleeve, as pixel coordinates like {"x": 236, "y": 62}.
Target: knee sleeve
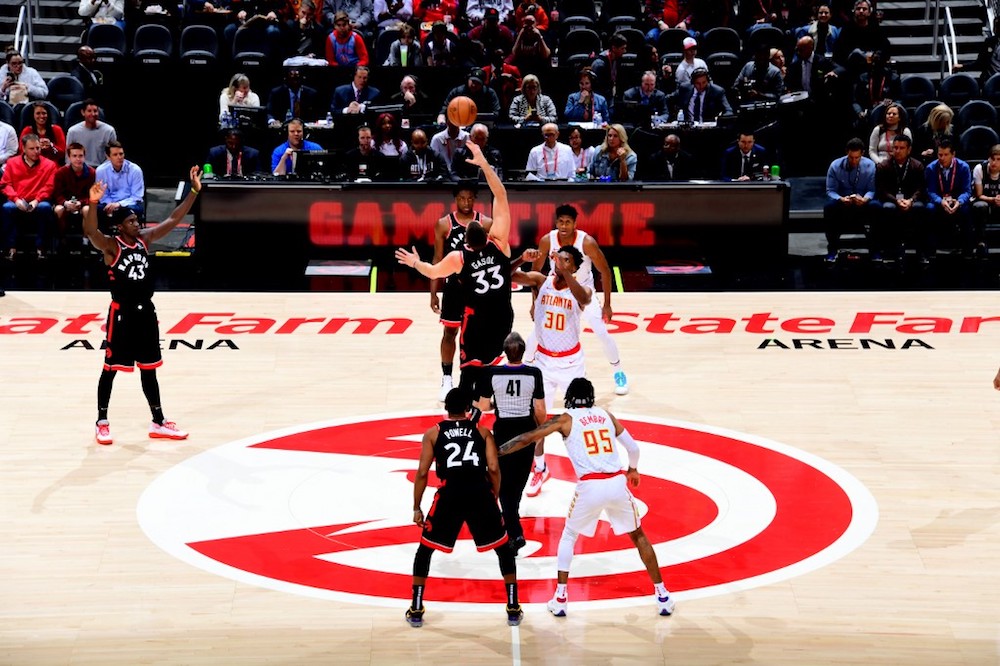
{"x": 506, "y": 556}
{"x": 422, "y": 561}
{"x": 564, "y": 556}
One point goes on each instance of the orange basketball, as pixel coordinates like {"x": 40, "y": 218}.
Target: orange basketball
{"x": 462, "y": 111}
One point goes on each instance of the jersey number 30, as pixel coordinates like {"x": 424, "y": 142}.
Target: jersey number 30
{"x": 454, "y": 450}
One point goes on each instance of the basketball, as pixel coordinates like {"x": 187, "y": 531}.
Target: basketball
{"x": 462, "y": 111}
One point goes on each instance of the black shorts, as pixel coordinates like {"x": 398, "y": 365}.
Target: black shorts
{"x": 133, "y": 337}
{"x": 452, "y": 304}
{"x": 476, "y": 507}
{"x": 483, "y": 334}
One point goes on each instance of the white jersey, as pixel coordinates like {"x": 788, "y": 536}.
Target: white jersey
{"x": 557, "y": 320}
{"x": 585, "y": 271}
{"x": 591, "y": 445}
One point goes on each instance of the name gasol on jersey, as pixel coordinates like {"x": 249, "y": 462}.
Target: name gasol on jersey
{"x": 482, "y": 262}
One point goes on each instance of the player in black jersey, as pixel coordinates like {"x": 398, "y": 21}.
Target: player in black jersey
{"x": 449, "y": 235}
{"x": 133, "y": 335}
{"x": 517, "y": 394}
{"x": 483, "y": 266}
{"x": 465, "y": 457}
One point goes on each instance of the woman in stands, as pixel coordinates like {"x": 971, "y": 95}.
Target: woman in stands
{"x": 614, "y": 161}
{"x": 582, "y": 157}
{"x": 50, "y": 136}
{"x": 930, "y": 134}
{"x": 531, "y": 106}
{"x": 386, "y": 136}
{"x": 238, "y": 93}
{"x": 893, "y": 124}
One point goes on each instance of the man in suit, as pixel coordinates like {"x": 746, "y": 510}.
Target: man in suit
{"x": 759, "y": 80}
{"x": 85, "y": 72}
{"x": 701, "y": 100}
{"x": 232, "y": 158}
{"x": 745, "y": 160}
{"x": 809, "y": 71}
{"x": 461, "y": 170}
{"x": 292, "y": 100}
{"x": 669, "y": 163}
{"x": 900, "y": 190}
{"x": 353, "y": 97}
{"x": 651, "y": 100}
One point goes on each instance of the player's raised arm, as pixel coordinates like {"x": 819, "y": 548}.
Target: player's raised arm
{"x": 103, "y": 243}
{"x": 163, "y": 228}
{"x": 452, "y": 263}
{"x": 500, "y": 231}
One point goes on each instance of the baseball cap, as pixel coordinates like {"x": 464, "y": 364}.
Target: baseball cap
{"x": 491, "y": 13}
{"x": 477, "y": 74}
{"x": 689, "y": 43}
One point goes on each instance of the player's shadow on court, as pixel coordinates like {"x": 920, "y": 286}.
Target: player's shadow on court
{"x": 953, "y": 528}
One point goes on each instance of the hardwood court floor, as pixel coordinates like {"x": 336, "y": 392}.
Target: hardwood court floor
{"x": 108, "y": 551}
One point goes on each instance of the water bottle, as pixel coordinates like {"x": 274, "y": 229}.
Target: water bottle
{"x": 598, "y": 119}
{"x": 680, "y": 116}
{"x": 329, "y": 119}
{"x": 766, "y": 175}
{"x": 775, "y": 172}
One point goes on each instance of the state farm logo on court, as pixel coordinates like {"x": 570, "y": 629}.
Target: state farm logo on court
{"x": 323, "y": 510}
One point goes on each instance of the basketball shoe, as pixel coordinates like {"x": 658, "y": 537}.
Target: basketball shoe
{"x": 621, "y": 383}
{"x": 537, "y": 479}
{"x": 415, "y": 618}
{"x": 557, "y": 606}
{"x": 447, "y": 384}
{"x": 102, "y": 431}
{"x": 514, "y": 615}
{"x": 166, "y": 430}
{"x": 665, "y": 605}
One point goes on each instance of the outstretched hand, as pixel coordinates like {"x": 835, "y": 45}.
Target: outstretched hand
{"x": 97, "y": 191}
{"x": 477, "y": 155}
{"x": 195, "y": 178}
{"x": 407, "y": 257}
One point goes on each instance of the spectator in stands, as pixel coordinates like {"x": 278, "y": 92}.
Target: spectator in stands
{"x": 986, "y": 193}
{"x": 759, "y": 80}
{"x": 363, "y": 161}
{"x": 354, "y": 97}
{"x": 479, "y": 12}
{"x": 261, "y": 16}
{"x": 777, "y": 58}
{"x": 402, "y": 52}
{"x": 462, "y": 170}
{"x": 880, "y": 84}
{"x": 415, "y": 101}
{"x": 700, "y": 101}
{"x": 50, "y": 136}
{"x": 8, "y": 143}
{"x": 745, "y": 160}
{"x": 530, "y": 53}
{"x": 880, "y": 146}
{"x": 103, "y": 11}
{"x": 390, "y": 13}
{"x": 810, "y": 71}
{"x": 670, "y": 163}
{"x": 85, "y": 72}
{"x": 551, "y": 160}
{"x": 485, "y": 98}
{"x": 420, "y": 163}
{"x": 292, "y": 100}
{"x": 614, "y": 160}
{"x": 860, "y": 39}
{"x": 823, "y": 33}
{"x": 126, "y": 187}
{"x": 662, "y": 15}
{"x": 582, "y": 155}
{"x": 605, "y": 66}
{"x": 446, "y": 142}
{"x": 530, "y": 11}
{"x": 27, "y": 181}
{"x": 690, "y": 62}
{"x": 949, "y": 195}
{"x": 704, "y": 15}
{"x": 232, "y": 158}
{"x": 492, "y": 33}
{"x": 360, "y": 13}
{"x": 647, "y": 95}
{"x": 930, "y": 135}
{"x": 92, "y": 133}
{"x": 850, "y": 185}
{"x": 900, "y": 189}
{"x": 531, "y": 106}
{"x": 284, "y": 157}
{"x": 20, "y": 83}
{"x": 345, "y": 47}
{"x": 759, "y": 14}
{"x": 71, "y": 190}
{"x": 582, "y": 106}
{"x": 439, "y": 51}
{"x": 305, "y": 36}
{"x": 237, "y": 93}
{"x": 431, "y": 11}
{"x": 988, "y": 61}
{"x": 387, "y": 139}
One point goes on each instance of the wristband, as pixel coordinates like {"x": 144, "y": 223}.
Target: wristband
{"x": 194, "y": 191}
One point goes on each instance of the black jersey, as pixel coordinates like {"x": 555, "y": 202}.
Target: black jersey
{"x": 456, "y": 235}
{"x": 485, "y": 277}
{"x": 991, "y": 187}
{"x": 129, "y": 275}
{"x": 460, "y": 454}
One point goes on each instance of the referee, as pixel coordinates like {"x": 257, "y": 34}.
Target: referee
{"x": 518, "y": 396}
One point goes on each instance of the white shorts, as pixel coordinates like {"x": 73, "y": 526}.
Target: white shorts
{"x": 558, "y": 372}
{"x": 610, "y": 496}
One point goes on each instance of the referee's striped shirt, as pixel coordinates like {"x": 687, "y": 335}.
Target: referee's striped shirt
{"x": 513, "y": 389}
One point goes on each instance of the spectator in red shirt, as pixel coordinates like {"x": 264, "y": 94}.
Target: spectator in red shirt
{"x": 345, "y": 47}
{"x": 27, "y": 181}
{"x": 71, "y": 190}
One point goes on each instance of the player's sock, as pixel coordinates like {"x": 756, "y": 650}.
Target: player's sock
{"x": 102, "y": 413}
{"x": 661, "y": 589}
{"x": 446, "y": 369}
{"x": 617, "y": 365}
{"x": 418, "y": 598}
{"x": 561, "y": 590}
{"x": 540, "y": 463}
{"x": 158, "y": 417}
{"x": 511, "y": 595}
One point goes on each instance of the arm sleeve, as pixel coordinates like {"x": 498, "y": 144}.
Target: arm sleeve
{"x": 631, "y": 447}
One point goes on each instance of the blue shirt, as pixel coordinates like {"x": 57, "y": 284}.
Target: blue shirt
{"x": 280, "y": 150}
{"x": 940, "y": 183}
{"x": 842, "y": 181}
{"x": 125, "y": 187}
{"x": 575, "y": 111}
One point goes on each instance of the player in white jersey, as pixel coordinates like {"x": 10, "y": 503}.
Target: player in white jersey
{"x": 591, "y": 435}
{"x": 558, "y": 310}
{"x": 596, "y": 316}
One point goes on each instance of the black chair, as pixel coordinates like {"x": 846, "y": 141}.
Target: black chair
{"x": 250, "y": 49}
{"x": 957, "y": 89}
{"x": 976, "y": 112}
{"x": 574, "y": 23}
{"x": 579, "y": 42}
{"x": 64, "y": 90}
{"x": 719, "y": 40}
{"x": 108, "y": 42}
{"x": 622, "y": 22}
{"x": 383, "y": 44}
{"x": 574, "y": 8}
{"x": 916, "y": 90}
{"x": 28, "y": 110}
{"x": 770, "y": 36}
{"x": 671, "y": 41}
{"x": 922, "y": 112}
{"x": 991, "y": 90}
{"x": 199, "y": 46}
{"x": 976, "y": 142}
{"x": 724, "y": 68}
{"x": 153, "y": 44}
{"x": 7, "y": 113}
{"x": 74, "y": 114}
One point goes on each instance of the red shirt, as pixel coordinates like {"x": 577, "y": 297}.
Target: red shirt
{"x": 30, "y": 183}
{"x": 68, "y": 183}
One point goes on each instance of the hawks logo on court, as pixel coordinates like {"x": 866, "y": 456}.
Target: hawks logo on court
{"x": 324, "y": 510}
